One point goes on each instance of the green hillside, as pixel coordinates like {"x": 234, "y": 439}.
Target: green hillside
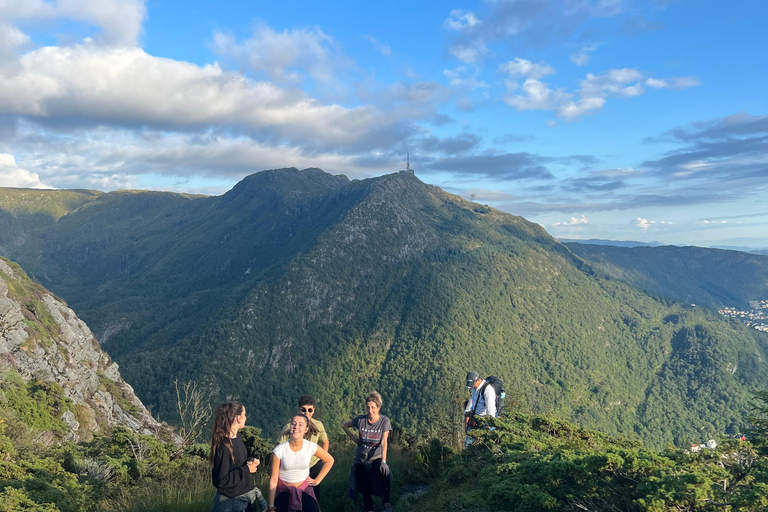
{"x": 299, "y": 281}
{"x": 707, "y": 277}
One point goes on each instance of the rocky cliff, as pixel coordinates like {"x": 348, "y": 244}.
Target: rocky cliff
{"x": 41, "y": 338}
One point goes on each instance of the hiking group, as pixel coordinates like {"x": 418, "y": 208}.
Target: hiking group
{"x": 300, "y": 459}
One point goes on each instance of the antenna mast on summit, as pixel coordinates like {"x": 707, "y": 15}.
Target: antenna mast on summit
{"x": 408, "y": 161}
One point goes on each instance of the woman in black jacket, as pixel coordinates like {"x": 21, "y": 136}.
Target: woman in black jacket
{"x": 232, "y": 468}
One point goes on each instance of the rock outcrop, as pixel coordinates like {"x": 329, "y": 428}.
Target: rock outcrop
{"x": 41, "y": 338}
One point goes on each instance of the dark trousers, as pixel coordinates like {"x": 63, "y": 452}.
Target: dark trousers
{"x": 307, "y": 503}
{"x": 364, "y": 478}
{"x": 313, "y": 472}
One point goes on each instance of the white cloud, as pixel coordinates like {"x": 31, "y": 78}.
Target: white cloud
{"x": 685, "y": 82}
{"x": 382, "y": 48}
{"x": 537, "y": 96}
{"x": 525, "y": 68}
{"x": 713, "y": 222}
{"x": 656, "y": 83}
{"x": 673, "y": 83}
{"x": 582, "y": 57}
{"x": 286, "y": 57}
{"x": 11, "y": 175}
{"x": 593, "y": 92}
{"x": 120, "y": 20}
{"x": 460, "y": 20}
{"x": 575, "y": 221}
{"x": 12, "y": 37}
{"x": 645, "y": 224}
{"x": 126, "y": 86}
{"x": 469, "y": 53}
{"x": 457, "y": 79}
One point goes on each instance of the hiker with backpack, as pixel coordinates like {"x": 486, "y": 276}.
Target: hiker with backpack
{"x": 485, "y": 400}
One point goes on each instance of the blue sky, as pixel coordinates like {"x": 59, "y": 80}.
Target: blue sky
{"x": 629, "y": 120}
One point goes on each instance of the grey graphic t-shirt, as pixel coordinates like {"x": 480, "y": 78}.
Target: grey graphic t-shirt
{"x": 370, "y": 434}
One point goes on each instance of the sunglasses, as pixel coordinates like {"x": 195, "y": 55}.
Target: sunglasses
{"x": 308, "y": 409}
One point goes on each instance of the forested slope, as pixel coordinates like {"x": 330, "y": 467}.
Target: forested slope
{"x": 299, "y": 281}
{"x": 707, "y": 277}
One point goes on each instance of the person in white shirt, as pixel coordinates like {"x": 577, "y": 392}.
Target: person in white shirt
{"x": 290, "y": 486}
{"x": 482, "y": 402}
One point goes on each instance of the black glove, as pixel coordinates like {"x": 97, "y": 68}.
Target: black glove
{"x": 384, "y": 468}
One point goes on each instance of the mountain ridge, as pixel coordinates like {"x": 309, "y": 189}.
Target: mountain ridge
{"x": 391, "y": 284}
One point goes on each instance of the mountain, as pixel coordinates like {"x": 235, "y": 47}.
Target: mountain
{"x": 301, "y": 281}
{"x": 706, "y": 277}
{"x": 614, "y": 243}
{"x": 42, "y": 341}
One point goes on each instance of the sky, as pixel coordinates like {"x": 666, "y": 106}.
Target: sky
{"x": 637, "y": 120}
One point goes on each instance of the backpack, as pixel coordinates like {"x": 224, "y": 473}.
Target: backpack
{"x": 498, "y": 387}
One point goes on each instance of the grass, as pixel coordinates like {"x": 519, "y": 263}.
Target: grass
{"x": 183, "y": 491}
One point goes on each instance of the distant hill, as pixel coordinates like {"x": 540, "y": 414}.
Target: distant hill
{"x": 613, "y": 243}
{"x": 301, "y": 281}
{"x": 706, "y": 277}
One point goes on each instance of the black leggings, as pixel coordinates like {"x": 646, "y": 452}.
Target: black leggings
{"x": 364, "y": 478}
{"x": 313, "y": 472}
{"x": 307, "y": 503}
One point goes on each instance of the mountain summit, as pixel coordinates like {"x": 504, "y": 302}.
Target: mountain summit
{"x": 300, "y": 281}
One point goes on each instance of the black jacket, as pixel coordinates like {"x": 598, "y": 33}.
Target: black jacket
{"x": 232, "y": 478}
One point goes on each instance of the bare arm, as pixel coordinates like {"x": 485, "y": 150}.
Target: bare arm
{"x": 352, "y": 436}
{"x": 384, "y": 444}
{"x": 273, "y": 480}
{"x": 327, "y": 464}
{"x": 326, "y": 444}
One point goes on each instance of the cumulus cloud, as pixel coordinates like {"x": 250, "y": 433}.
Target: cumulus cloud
{"x": 289, "y": 56}
{"x": 593, "y": 92}
{"x": 11, "y": 175}
{"x": 531, "y": 23}
{"x": 470, "y": 52}
{"x": 575, "y": 221}
{"x": 460, "y": 20}
{"x": 582, "y": 57}
{"x": 644, "y": 224}
{"x": 83, "y": 85}
{"x": 673, "y": 83}
{"x": 525, "y": 68}
{"x": 119, "y": 20}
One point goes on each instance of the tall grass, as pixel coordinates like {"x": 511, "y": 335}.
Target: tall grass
{"x": 184, "y": 491}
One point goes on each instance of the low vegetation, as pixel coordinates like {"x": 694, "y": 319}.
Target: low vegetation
{"x": 524, "y": 463}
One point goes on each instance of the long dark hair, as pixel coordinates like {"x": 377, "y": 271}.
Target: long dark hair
{"x": 223, "y": 418}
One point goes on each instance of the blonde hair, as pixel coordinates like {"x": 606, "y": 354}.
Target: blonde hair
{"x": 374, "y": 397}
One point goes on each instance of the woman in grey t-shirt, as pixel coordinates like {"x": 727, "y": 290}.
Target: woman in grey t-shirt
{"x": 370, "y": 465}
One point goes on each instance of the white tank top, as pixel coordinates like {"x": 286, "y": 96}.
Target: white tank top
{"x": 294, "y": 466}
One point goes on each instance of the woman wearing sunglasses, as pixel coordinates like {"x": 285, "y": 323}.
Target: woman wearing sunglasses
{"x": 315, "y": 433}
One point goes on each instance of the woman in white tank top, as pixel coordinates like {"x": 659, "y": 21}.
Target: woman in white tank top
{"x": 290, "y": 486}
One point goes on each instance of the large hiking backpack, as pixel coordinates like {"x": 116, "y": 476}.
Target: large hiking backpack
{"x": 498, "y": 387}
